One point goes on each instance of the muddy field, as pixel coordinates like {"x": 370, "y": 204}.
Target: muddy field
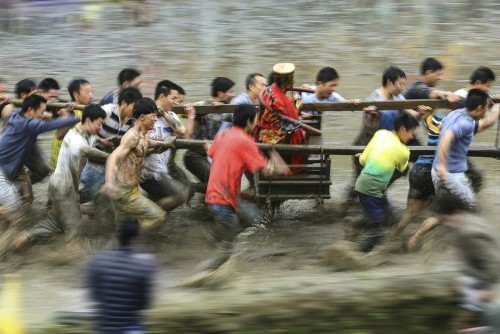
{"x": 302, "y": 255}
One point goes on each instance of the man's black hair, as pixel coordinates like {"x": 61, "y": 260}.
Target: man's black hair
{"x": 392, "y": 74}
{"x": 144, "y": 106}
{"x": 406, "y": 120}
{"x": 250, "y": 79}
{"x": 163, "y": 87}
{"x": 327, "y": 74}
{"x": 127, "y": 74}
{"x": 93, "y": 112}
{"x": 129, "y": 95}
{"x": 24, "y": 86}
{"x": 75, "y": 86}
{"x": 33, "y": 101}
{"x": 475, "y": 98}
{"x": 482, "y": 74}
{"x": 244, "y": 113}
{"x": 430, "y": 64}
{"x": 48, "y": 84}
{"x": 221, "y": 84}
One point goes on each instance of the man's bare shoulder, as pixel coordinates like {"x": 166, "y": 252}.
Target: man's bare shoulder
{"x": 131, "y": 139}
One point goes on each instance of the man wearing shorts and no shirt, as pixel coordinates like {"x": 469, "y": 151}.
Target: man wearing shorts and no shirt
{"x": 124, "y": 165}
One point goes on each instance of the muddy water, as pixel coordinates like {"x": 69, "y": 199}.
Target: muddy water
{"x": 191, "y": 42}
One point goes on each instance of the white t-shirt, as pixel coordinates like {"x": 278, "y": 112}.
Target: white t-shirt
{"x": 156, "y": 164}
{"x": 70, "y": 161}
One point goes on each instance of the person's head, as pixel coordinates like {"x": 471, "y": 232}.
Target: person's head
{"x": 477, "y": 103}
{"x": 80, "y": 91}
{"x": 129, "y": 77}
{"x": 24, "y": 87}
{"x": 432, "y": 71}
{"x": 34, "y": 106}
{"x": 129, "y": 231}
{"x": 405, "y": 126}
{"x": 165, "y": 97}
{"x": 394, "y": 80}
{"x": 482, "y": 78}
{"x": 284, "y": 75}
{"x": 254, "y": 84}
{"x": 178, "y": 93}
{"x": 222, "y": 89}
{"x": 126, "y": 100}
{"x": 145, "y": 112}
{"x": 49, "y": 89}
{"x": 93, "y": 117}
{"x": 326, "y": 82}
{"x": 245, "y": 117}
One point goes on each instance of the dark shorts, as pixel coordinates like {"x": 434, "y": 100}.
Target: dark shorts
{"x": 421, "y": 186}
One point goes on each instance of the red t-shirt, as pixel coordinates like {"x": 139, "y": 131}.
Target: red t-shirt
{"x": 233, "y": 152}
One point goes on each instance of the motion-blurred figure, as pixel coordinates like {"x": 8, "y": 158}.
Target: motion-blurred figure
{"x": 479, "y": 251}
{"x": 121, "y": 284}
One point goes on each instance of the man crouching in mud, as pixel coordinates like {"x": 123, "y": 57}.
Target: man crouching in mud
{"x": 124, "y": 165}
{"x": 478, "y": 249}
{"x": 233, "y": 152}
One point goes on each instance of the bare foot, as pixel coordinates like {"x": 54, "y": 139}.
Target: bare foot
{"x": 412, "y": 243}
{"x": 20, "y": 240}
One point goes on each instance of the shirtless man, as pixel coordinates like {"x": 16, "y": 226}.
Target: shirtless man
{"x": 123, "y": 169}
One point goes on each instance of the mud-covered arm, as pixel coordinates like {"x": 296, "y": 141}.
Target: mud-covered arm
{"x": 94, "y": 154}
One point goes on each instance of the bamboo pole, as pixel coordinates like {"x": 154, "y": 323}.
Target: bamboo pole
{"x": 325, "y": 107}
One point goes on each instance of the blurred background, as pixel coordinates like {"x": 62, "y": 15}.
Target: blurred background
{"x": 193, "y": 41}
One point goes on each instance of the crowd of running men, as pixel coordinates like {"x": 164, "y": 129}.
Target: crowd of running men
{"x": 116, "y": 158}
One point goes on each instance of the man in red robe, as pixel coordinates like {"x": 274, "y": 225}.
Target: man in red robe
{"x": 275, "y": 103}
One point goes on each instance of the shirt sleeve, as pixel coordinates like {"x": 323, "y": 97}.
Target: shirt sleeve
{"x": 39, "y": 126}
{"x": 253, "y": 159}
{"x": 417, "y": 92}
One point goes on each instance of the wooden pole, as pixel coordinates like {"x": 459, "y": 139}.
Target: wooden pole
{"x": 480, "y": 151}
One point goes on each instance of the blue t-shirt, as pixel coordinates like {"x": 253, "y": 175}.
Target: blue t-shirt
{"x": 463, "y": 128}
{"x": 312, "y": 98}
{"x": 386, "y": 117}
{"x": 109, "y": 98}
{"x": 242, "y": 98}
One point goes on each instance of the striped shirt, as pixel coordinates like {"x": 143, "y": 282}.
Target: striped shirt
{"x": 121, "y": 283}
{"x": 111, "y": 128}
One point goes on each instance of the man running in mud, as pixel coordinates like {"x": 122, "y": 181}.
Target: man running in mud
{"x": 156, "y": 180}
{"x": 393, "y": 85}
{"x": 124, "y": 165}
{"x": 233, "y": 152}
{"x": 118, "y": 121}
{"x": 450, "y": 165}
{"x": 384, "y": 154}
{"x": 17, "y": 142}
{"x": 206, "y": 127}
{"x": 478, "y": 249}
{"x": 81, "y": 93}
{"x": 431, "y": 71}
{"x": 77, "y": 146}
{"x": 421, "y": 189}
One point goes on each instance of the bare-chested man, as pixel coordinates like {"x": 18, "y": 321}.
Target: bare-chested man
{"x": 124, "y": 165}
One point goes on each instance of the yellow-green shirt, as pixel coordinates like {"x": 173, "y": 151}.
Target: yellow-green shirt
{"x": 56, "y": 145}
{"x": 383, "y": 154}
